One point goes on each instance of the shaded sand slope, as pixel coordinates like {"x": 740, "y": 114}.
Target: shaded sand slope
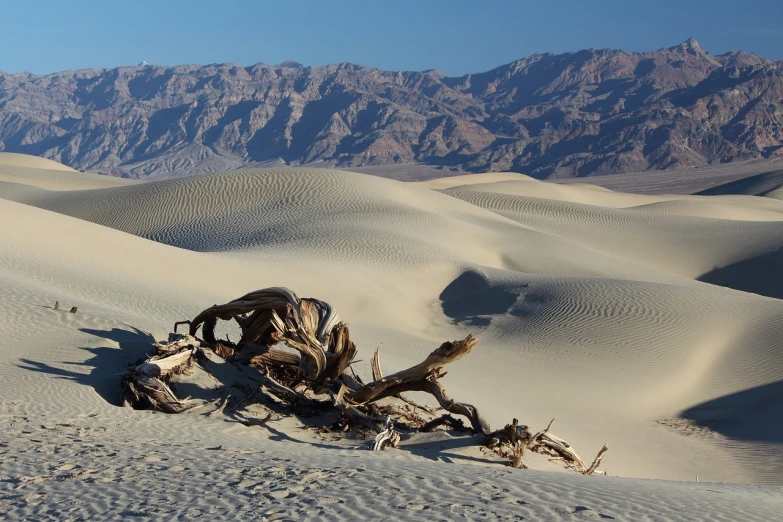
{"x": 607, "y": 341}
{"x": 768, "y": 184}
{"x": 594, "y": 195}
{"x": 688, "y": 180}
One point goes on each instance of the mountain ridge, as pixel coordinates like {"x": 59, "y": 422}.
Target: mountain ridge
{"x": 595, "y": 111}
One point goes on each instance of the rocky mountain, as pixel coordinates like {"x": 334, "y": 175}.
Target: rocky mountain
{"x": 574, "y": 114}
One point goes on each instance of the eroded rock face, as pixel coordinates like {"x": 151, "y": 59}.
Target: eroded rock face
{"x": 575, "y": 114}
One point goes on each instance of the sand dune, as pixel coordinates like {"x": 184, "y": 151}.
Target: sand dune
{"x": 686, "y": 243}
{"x": 346, "y": 217}
{"x": 686, "y": 180}
{"x": 30, "y": 171}
{"x": 590, "y": 194}
{"x": 588, "y": 303}
{"x": 12, "y": 159}
{"x": 472, "y": 179}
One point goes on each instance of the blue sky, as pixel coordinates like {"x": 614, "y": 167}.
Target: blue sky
{"x": 454, "y": 36}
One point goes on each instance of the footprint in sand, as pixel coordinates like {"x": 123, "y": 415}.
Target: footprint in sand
{"x": 281, "y": 493}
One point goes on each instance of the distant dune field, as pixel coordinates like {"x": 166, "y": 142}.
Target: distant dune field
{"x": 653, "y": 322}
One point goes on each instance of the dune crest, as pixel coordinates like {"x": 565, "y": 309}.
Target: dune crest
{"x": 13, "y": 159}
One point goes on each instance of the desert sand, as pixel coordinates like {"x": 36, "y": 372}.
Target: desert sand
{"x": 652, "y": 322}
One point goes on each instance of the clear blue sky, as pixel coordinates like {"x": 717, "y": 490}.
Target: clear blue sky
{"x": 454, "y": 36}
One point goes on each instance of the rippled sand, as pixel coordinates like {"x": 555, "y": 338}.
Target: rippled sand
{"x": 653, "y": 322}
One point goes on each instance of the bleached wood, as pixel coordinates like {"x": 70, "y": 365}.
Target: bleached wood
{"x": 375, "y": 365}
{"x": 164, "y": 366}
{"x": 387, "y": 437}
{"x": 597, "y": 461}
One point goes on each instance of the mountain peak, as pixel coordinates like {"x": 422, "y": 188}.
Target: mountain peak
{"x": 690, "y": 45}
{"x": 290, "y": 64}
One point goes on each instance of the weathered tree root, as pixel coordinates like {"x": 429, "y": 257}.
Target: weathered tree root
{"x": 387, "y": 437}
{"x": 147, "y": 383}
{"x": 316, "y": 377}
{"x": 512, "y": 441}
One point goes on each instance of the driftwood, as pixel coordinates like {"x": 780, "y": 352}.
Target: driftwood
{"x": 315, "y": 376}
{"x": 512, "y": 441}
{"x": 517, "y": 452}
{"x": 56, "y": 307}
{"x": 387, "y": 437}
{"x": 146, "y": 384}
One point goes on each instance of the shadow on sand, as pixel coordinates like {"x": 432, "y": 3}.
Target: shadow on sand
{"x": 471, "y": 299}
{"x": 441, "y": 446}
{"x": 758, "y": 275}
{"x": 106, "y": 363}
{"x": 755, "y": 414}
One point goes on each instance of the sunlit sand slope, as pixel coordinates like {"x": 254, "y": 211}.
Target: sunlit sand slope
{"x": 31, "y": 172}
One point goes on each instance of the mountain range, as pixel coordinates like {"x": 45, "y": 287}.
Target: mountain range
{"x": 549, "y": 116}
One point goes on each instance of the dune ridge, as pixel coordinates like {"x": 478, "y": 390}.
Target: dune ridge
{"x": 13, "y": 159}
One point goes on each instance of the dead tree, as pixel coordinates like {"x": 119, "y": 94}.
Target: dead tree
{"x": 316, "y": 376}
